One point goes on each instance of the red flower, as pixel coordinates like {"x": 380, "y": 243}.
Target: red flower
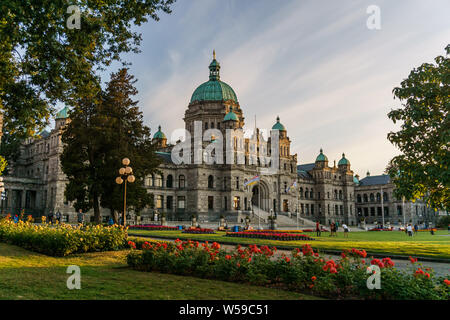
{"x": 447, "y": 282}
{"x": 287, "y": 259}
{"x": 314, "y": 278}
{"x": 228, "y": 257}
{"x": 412, "y": 259}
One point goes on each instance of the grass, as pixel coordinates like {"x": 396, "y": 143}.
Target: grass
{"x": 105, "y": 275}
{"x": 385, "y": 242}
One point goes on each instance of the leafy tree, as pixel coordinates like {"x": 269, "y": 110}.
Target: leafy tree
{"x": 43, "y": 59}
{"x": 102, "y": 132}
{"x": 422, "y": 169}
{"x": 83, "y": 156}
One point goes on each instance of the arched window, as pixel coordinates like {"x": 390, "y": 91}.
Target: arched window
{"x": 158, "y": 181}
{"x": 181, "y": 181}
{"x": 372, "y": 198}
{"x": 385, "y": 196}
{"x": 358, "y": 198}
{"x": 210, "y": 182}
{"x": 169, "y": 182}
{"x": 311, "y": 194}
{"x": 378, "y": 197}
{"x": 301, "y": 193}
{"x": 335, "y": 194}
{"x": 306, "y": 193}
{"x": 340, "y": 194}
{"x": 365, "y": 198}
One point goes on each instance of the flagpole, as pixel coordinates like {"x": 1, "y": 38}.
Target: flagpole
{"x": 259, "y": 205}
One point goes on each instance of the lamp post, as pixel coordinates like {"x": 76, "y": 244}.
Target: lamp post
{"x": 125, "y": 175}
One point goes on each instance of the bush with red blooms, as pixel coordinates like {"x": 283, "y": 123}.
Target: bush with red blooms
{"x": 270, "y": 235}
{"x": 314, "y": 230}
{"x": 152, "y": 227}
{"x": 304, "y": 270}
{"x": 380, "y": 229}
{"x": 199, "y": 231}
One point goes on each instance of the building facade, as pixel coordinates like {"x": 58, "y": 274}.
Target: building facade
{"x": 213, "y": 188}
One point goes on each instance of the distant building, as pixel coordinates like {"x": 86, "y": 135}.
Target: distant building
{"x": 375, "y": 198}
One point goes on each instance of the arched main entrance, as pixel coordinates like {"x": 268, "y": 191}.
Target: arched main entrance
{"x": 260, "y": 196}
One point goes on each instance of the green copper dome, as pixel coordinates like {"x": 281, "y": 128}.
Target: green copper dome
{"x": 321, "y": 156}
{"x": 159, "y": 134}
{"x": 343, "y": 161}
{"x": 278, "y": 125}
{"x": 63, "y": 113}
{"x": 231, "y": 116}
{"x": 214, "y": 89}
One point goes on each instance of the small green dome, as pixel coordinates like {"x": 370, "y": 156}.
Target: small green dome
{"x": 355, "y": 180}
{"x": 343, "y": 161}
{"x": 321, "y": 156}
{"x": 159, "y": 134}
{"x": 63, "y": 113}
{"x": 231, "y": 116}
{"x": 214, "y": 89}
{"x": 278, "y": 125}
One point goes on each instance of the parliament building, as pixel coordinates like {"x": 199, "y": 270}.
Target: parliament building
{"x": 317, "y": 191}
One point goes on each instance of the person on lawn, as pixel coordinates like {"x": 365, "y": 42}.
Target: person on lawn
{"x": 318, "y": 232}
{"x": 346, "y": 230}
{"x": 410, "y": 230}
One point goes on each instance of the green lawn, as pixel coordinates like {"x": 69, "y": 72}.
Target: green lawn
{"x": 385, "y": 242}
{"x": 105, "y": 275}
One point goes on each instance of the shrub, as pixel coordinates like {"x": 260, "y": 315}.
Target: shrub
{"x": 61, "y": 240}
{"x": 303, "y": 270}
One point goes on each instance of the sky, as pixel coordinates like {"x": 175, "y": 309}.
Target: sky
{"x": 316, "y": 64}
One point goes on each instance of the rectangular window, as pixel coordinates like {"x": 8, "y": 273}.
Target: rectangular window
{"x": 237, "y": 203}
{"x": 210, "y": 202}
{"x": 159, "y": 202}
{"x": 181, "y": 202}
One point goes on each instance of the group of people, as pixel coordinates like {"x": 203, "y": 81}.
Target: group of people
{"x": 57, "y": 216}
{"x": 410, "y": 230}
{"x": 334, "y": 226}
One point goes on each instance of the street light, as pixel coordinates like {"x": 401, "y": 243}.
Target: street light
{"x": 126, "y": 175}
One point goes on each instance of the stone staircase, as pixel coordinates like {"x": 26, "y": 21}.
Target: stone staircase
{"x": 283, "y": 221}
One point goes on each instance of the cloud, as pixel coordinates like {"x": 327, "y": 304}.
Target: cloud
{"x": 316, "y": 65}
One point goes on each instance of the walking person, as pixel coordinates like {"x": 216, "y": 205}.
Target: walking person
{"x": 318, "y": 232}
{"x": 346, "y": 230}
{"x": 410, "y": 230}
{"x": 80, "y": 216}
{"x": 50, "y": 217}
{"x": 58, "y": 217}
{"x": 416, "y": 228}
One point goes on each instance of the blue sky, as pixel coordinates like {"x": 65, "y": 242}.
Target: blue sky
{"x": 313, "y": 63}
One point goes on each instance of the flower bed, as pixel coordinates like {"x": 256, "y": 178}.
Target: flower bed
{"x": 303, "y": 270}
{"x": 270, "y": 235}
{"x": 379, "y": 229}
{"x": 61, "y": 240}
{"x": 275, "y": 231}
{"x": 314, "y": 230}
{"x": 152, "y": 227}
{"x": 199, "y": 231}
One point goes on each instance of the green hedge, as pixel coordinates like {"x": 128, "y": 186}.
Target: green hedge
{"x": 62, "y": 240}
